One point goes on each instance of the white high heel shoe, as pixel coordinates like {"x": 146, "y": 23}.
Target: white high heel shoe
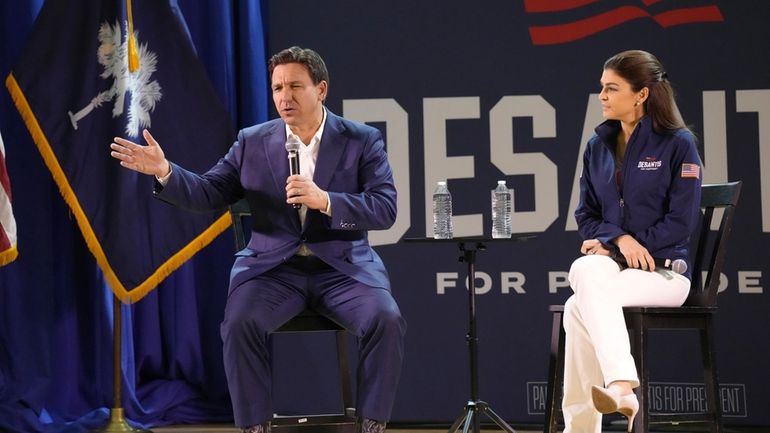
{"x": 609, "y": 401}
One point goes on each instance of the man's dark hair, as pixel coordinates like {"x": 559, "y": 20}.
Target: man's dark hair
{"x": 304, "y": 56}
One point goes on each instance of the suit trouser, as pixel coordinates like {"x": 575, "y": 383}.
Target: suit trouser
{"x": 597, "y": 346}
{"x": 258, "y": 307}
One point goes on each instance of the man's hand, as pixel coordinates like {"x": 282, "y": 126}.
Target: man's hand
{"x": 593, "y": 246}
{"x": 144, "y": 159}
{"x": 302, "y": 190}
{"x": 636, "y": 255}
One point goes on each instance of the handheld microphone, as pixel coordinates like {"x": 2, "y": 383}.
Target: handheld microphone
{"x": 678, "y": 266}
{"x": 292, "y": 147}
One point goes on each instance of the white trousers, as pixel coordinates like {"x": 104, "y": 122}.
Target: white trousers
{"x": 597, "y": 347}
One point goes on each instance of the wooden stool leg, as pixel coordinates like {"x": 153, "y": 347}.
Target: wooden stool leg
{"x": 708, "y": 354}
{"x": 555, "y": 374}
{"x": 343, "y": 362}
{"x": 640, "y": 353}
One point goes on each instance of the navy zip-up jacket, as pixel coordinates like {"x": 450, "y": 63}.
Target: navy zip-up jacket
{"x": 658, "y": 198}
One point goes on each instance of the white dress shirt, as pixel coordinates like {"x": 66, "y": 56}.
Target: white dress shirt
{"x": 308, "y": 155}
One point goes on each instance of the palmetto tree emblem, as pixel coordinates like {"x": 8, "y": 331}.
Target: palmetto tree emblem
{"x": 144, "y": 93}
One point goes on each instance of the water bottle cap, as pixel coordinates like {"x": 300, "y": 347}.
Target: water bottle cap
{"x": 441, "y": 182}
{"x": 501, "y": 182}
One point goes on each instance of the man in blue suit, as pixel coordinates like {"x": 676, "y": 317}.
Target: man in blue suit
{"x": 318, "y": 255}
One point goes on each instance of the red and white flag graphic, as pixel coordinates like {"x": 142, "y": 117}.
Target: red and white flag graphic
{"x": 690, "y": 170}
{"x": 8, "y": 250}
{"x": 570, "y": 20}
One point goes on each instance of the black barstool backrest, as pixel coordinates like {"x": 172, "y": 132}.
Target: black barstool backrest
{"x": 712, "y": 245}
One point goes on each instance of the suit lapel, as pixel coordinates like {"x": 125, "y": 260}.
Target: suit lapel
{"x": 275, "y": 149}
{"x": 333, "y": 144}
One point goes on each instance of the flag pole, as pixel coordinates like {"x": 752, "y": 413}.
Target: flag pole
{"x": 117, "y": 421}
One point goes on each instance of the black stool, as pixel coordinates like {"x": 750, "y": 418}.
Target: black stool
{"x": 309, "y": 321}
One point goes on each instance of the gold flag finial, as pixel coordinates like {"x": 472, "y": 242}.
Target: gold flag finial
{"x": 133, "y": 54}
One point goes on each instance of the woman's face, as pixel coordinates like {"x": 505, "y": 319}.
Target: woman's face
{"x": 619, "y": 101}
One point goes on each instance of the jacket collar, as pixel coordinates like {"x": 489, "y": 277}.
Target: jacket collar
{"x": 608, "y": 130}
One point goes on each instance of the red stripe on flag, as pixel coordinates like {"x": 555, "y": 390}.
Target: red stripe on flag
{"x": 705, "y": 14}
{"x": 561, "y": 33}
{"x": 690, "y": 170}
{"x": 5, "y": 243}
{"x": 4, "y": 180}
{"x": 6, "y": 214}
{"x": 531, "y": 6}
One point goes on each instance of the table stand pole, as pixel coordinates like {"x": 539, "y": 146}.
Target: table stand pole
{"x": 470, "y": 416}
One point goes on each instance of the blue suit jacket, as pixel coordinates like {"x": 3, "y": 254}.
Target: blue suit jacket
{"x": 352, "y": 167}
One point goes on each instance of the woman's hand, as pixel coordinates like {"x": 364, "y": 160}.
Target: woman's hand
{"x": 593, "y": 246}
{"x": 635, "y": 254}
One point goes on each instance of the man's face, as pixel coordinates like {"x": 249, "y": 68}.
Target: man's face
{"x": 296, "y": 98}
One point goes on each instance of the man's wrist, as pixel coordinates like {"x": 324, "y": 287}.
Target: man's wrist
{"x": 163, "y": 180}
{"x": 328, "y": 210}
{"x": 165, "y": 172}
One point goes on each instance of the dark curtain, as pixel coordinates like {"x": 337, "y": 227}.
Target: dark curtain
{"x": 55, "y": 310}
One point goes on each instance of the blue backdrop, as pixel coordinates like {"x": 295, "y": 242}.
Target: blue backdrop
{"x": 472, "y": 94}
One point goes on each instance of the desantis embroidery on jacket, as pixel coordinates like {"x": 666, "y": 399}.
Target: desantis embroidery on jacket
{"x": 649, "y": 163}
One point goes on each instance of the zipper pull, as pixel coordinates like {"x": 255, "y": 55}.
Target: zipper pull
{"x": 622, "y": 203}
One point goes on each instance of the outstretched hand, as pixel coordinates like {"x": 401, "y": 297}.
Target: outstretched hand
{"x": 144, "y": 159}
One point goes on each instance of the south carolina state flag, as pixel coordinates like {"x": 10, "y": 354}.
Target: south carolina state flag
{"x": 8, "y": 250}
{"x": 82, "y": 81}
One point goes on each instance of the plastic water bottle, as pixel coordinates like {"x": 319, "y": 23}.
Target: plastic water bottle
{"x": 501, "y": 211}
{"x": 442, "y": 212}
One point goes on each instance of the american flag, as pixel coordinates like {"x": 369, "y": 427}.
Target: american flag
{"x": 8, "y": 250}
{"x": 690, "y": 170}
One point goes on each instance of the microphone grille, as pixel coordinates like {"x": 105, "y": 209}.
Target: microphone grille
{"x": 679, "y": 266}
{"x": 292, "y": 144}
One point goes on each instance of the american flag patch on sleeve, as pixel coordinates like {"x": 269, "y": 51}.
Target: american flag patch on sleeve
{"x": 690, "y": 170}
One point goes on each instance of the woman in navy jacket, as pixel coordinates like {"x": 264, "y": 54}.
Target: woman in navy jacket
{"x": 639, "y": 200}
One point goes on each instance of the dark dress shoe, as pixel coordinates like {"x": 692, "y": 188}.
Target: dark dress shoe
{"x": 371, "y": 426}
{"x": 259, "y": 428}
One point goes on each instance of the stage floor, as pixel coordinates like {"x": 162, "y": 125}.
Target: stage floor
{"x": 230, "y": 429}
{"x": 417, "y": 429}
{"x": 400, "y": 429}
